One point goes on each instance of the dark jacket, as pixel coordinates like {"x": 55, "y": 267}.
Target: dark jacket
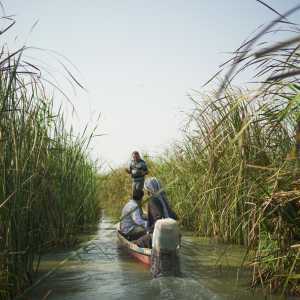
{"x": 138, "y": 169}
{"x": 156, "y": 211}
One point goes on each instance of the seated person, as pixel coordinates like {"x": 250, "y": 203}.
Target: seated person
{"x": 158, "y": 208}
{"x": 158, "y": 205}
{"x": 133, "y": 226}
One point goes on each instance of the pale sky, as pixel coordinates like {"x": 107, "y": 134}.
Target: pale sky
{"x": 138, "y": 59}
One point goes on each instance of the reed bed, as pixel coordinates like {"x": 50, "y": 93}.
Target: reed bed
{"x": 238, "y": 183}
{"x": 114, "y": 191}
{"x": 48, "y": 184}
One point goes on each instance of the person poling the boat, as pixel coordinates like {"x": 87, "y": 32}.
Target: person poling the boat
{"x": 133, "y": 225}
{"x": 158, "y": 208}
{"x": 138, "y": 170}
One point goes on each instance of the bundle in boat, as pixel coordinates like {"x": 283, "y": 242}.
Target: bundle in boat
{"x": 165, "y": 246}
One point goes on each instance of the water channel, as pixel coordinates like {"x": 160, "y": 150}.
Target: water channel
{"x": 101, "y": 269}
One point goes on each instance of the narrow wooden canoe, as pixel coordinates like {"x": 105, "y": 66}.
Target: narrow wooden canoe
{"x": 142, "y": 254}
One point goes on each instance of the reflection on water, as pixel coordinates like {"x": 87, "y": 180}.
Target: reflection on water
{"x": 100, "y": 269}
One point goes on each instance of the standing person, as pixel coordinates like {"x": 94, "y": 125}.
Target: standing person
{"x": 132, "y": 225}
{"x": 138, "y": 170}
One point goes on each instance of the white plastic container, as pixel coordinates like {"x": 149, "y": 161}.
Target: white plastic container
{"x": 166, "y": 235}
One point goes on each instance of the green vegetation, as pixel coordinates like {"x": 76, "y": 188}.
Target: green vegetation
{"x": 237, "y": 168}
{"x": 114, "y": 191}
{"x": 47, "y": 182}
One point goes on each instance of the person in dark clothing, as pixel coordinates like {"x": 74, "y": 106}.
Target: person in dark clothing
{"x": 156, "y": 211}
{"x": 158, "y": 208}
{"x": 158, "y": 205}
{"x": 138, "y": 170}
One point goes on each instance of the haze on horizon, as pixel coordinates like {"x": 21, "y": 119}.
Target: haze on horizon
{"x": 138, "y": 60}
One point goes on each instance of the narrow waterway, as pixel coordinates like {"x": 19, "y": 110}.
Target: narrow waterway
{"x": 101, "y": 269}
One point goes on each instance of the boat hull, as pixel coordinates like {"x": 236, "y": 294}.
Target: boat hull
{"x": 141, "y": 254}
{"x": 145, "y": 259}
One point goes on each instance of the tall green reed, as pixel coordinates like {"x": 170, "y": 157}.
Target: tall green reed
{"x": 47, "y": 180}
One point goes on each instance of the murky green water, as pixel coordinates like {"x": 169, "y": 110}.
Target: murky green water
{"x": 102, "y": 270}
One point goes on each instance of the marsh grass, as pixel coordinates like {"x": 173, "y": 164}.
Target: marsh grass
{"x": 47, "y": 181}
{"x": 114, "y": 191}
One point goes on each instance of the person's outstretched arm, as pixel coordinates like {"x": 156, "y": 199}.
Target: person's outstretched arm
{"x": 138, "y": 218}
{"x": 129, "y": 169}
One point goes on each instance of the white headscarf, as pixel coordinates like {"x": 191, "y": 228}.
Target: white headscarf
{"x": 153, "y": 186}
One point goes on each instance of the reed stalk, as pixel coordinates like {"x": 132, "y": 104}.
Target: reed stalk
{"x": 48, "y": 183}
